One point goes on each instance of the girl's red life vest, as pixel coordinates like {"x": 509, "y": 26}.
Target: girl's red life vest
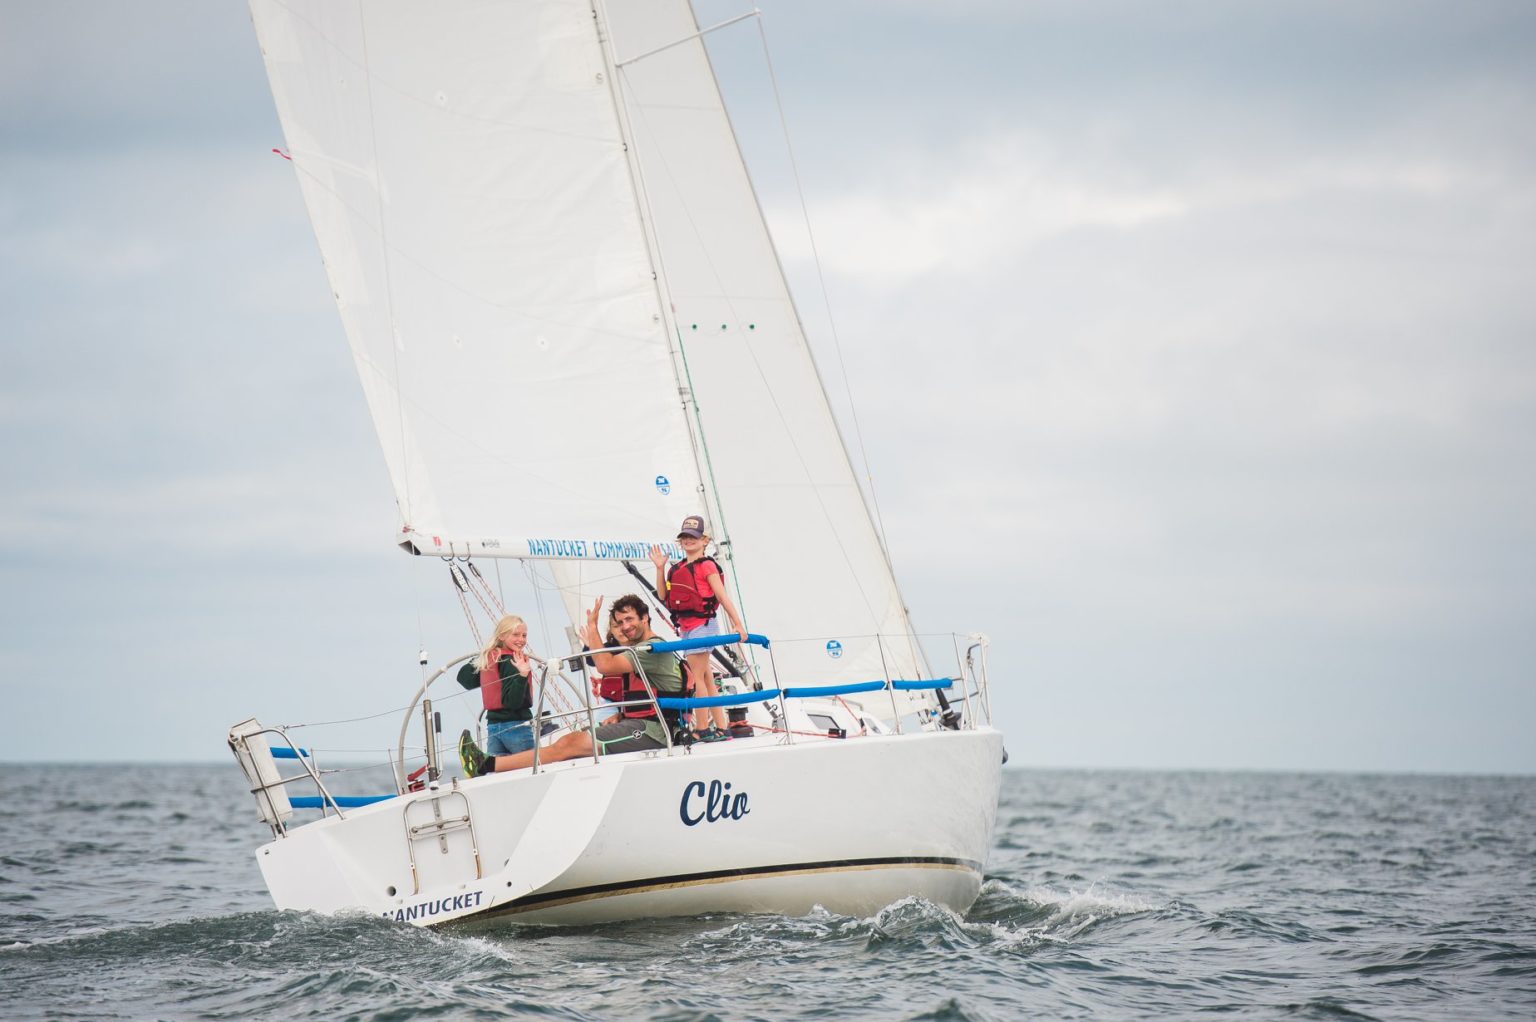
{"x": 618, "y": 688}
{"x": 609, "y": 687}
{"x": 684, "y": 595}
{"x": 490, "y": 682}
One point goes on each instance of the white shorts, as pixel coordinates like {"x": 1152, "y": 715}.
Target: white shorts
{"x": 705, "y": 630}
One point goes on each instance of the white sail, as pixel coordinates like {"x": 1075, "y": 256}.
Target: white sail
{"x": 542, "y": 237}
{"x": 808, "y": 563}
{"x": 470, "y": 189}
{"x": 544, "y": 243}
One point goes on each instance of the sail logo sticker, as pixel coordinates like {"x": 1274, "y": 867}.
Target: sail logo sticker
{"x": 834, "y": 648}
{"x": 663, "y": 485}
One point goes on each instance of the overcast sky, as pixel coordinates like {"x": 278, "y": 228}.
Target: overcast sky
{"x": 1193, "y": 345}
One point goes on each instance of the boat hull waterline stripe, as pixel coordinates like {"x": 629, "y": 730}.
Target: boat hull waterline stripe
{"x": 721, "y": 876}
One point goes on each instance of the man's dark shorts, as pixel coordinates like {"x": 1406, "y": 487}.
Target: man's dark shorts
{"x": 630, "y": 736}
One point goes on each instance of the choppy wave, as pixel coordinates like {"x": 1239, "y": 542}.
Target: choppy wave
{"x": 1108, "y": 896}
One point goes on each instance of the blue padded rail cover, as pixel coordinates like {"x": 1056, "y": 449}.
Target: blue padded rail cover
{"x": 726, "y": 700}
{"x": 345, "y": 801}
{"x": 802, "y": 692}
{"x": 286, "y": 752}
{"x": 811, "y": 691}
{"x": 929, "y": 683}
{"x": 707, "y": 642}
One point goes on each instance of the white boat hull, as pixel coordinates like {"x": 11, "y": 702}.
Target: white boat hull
{"x": 751, "y": 826}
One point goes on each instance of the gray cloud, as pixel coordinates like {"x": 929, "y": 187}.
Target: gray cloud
{"x": 1193, "y": 348}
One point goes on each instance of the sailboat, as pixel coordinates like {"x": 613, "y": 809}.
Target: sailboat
{"x": 573, "y": 330}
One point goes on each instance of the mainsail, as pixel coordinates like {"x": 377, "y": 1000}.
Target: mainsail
{"x": 566, "y": 309}
{"x": 464, "y": 170}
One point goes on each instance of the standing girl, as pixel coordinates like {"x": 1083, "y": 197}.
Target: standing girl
{"x": 693, "y": 589}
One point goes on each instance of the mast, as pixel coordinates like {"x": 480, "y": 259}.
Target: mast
{"x": 707, "y": 492}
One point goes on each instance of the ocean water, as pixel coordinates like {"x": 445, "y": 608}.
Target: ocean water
{"x": 131, "y": 893}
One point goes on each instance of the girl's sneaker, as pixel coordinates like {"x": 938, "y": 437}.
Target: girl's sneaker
{"x": 470, "y": 756}
{"x": 713, "y": 734}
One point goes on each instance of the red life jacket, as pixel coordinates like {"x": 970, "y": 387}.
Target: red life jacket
{"x": 634, "y": 688}
{"x": 490, "y": 682}
{"x": 609, "y": 687}
{"x": 683, "y": 596}
{"x": 617, "y": 688}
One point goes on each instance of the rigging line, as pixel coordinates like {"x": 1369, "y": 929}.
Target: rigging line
{"x": 359, "y": 768}
{"x": 371, "y": 716}
{"x": 688, "y": 38}
{"x": 493, "y": 606}
{"x": 469, "y": 616}
{"x": 691, "y": 403}
{"x": 552, "y": 690}
{"x": 480, "y": 599}
{"x": 585, "y": 585}
{"x": 863, "y": 728}
{"x": 751, "y": 350}
{"x": 709, "y": 487}
{"x": 853, "y": 410}
{"x": 538, "y": 601}
{"x": 421, "y": 631}
{"x": 758, "y": 366}
{"x": 652, "y": 243}
{"x": 709, "y": 464}
{"x": 821, "y": 280}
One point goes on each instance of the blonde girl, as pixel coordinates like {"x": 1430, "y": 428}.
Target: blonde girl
{"x": 503, "y": 675}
